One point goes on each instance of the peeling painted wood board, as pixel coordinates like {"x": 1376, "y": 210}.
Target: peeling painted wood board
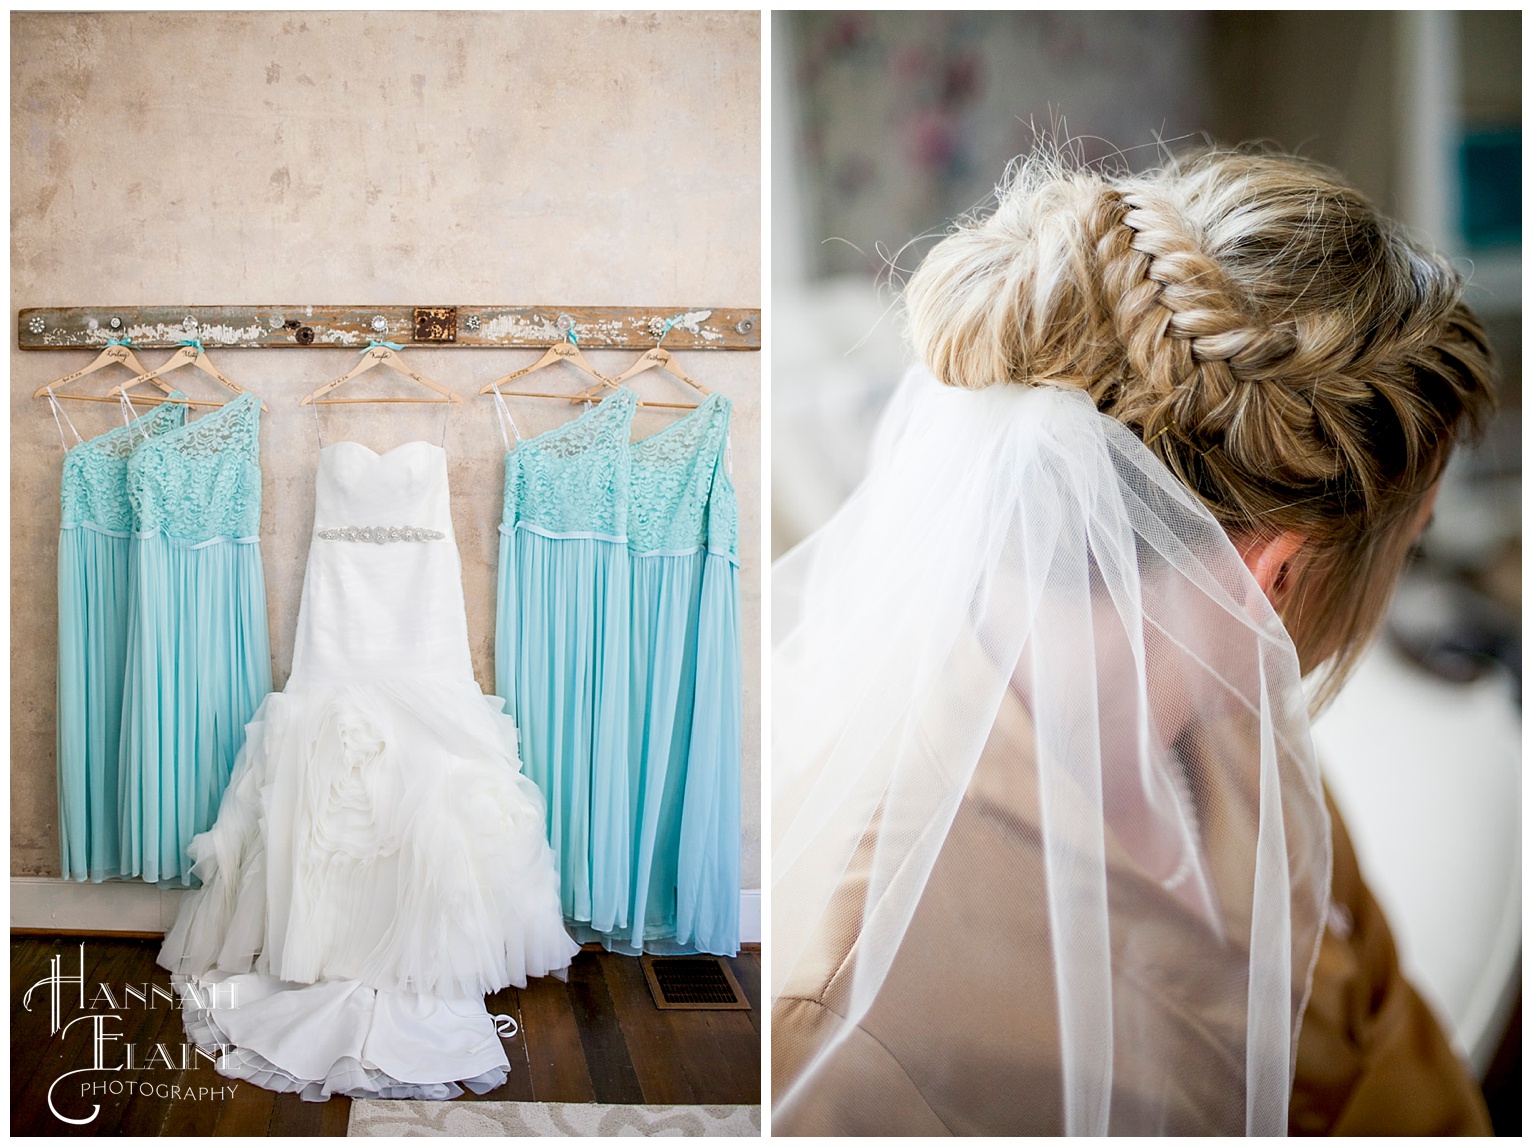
{"x": 630, "y": 328}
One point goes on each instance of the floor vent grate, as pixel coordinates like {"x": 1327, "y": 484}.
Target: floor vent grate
{"x": 692, "y": 983}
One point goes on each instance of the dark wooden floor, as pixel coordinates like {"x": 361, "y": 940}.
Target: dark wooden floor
{"x": 597, "y": 1038}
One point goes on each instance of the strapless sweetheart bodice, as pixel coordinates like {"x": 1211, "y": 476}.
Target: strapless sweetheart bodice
{"x": 383, "y": 592}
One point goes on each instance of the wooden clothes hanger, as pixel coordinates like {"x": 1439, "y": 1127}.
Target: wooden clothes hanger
{"x": 115, "y": 351}
{"x": 379, "y": 354}
{"x": 192, "y": 353}
{"x": 566, "y": 351}
{"x": 657, "y": 356}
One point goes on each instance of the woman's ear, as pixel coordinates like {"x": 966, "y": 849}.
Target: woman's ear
{"x": 1269, "y": 560}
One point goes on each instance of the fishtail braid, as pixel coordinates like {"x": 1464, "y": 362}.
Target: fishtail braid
{"x": 1282, "y": 347}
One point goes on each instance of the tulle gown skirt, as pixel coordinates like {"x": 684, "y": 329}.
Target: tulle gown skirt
{"x": 378, "y": 866}
{"x": 93, "y": 635}
{"x": 198, "y": 664}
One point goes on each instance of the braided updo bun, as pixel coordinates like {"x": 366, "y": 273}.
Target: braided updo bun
{"x": 1282, "y": 347}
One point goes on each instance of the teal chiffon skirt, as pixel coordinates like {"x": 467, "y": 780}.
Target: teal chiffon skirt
{"x": 684, "y": 754}
{"x": 198, "y": 665}
{"x": 561, "y": 663}
{"x": 623, "y": 675}
{"x": 93, "y": 637}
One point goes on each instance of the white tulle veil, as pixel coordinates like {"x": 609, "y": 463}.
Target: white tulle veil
{"x": 1014, "y": 548}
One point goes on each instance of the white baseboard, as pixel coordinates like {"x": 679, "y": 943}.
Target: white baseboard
{"x": 47, "y": 903}
{"x": 750, "y": 916}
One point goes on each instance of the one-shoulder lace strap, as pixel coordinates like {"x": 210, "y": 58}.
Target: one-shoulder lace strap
{"x": 719, "y": 430}
{"x": 165, "y": 415}
{"x": 202, "y": 482}
{"x": 58, "y": 412}
{"x": 681, "y": 443}
{"x": 231, "y": 427}
{"x": 121, "y": 441}
{"x": 722, "y": 416}
{"x": 607, "y": 425}
{"x": 142, "y": 427}
{"x": 676, "y": 497}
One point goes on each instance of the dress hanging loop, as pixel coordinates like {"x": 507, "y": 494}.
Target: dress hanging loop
{"x": 129, "y": 415}
{"x": 58, "y": 411}
{"x": 503, "y": 419}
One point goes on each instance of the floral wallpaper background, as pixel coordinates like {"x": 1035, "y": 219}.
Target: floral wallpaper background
{"x": 908, "y": 119}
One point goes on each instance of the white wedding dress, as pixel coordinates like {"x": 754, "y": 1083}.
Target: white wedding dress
{"x": 379, "y": 862}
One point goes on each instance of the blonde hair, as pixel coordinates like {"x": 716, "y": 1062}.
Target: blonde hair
{"x": 1282, "y": 347}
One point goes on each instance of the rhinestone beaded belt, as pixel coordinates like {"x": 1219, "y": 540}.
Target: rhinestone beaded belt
{"x": 381, "y": 534}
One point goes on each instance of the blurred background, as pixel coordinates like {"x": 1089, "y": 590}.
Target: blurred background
{"x": 888, "y": 125}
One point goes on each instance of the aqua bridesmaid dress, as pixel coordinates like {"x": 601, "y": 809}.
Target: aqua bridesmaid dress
{"x": 198, "y": 648}
{"x": 684, "y": 689}
{"x": 95, "y": 531}
{"x": 561, "y": 648}
{"x": 618, "y": 653}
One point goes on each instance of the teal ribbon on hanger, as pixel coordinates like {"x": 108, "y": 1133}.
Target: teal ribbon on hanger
{"x": 571, "y": 336}
{"x": 125, "y": 340}
{"x": 377, "y": 343}
{"x": 196, "y": 343}
{"x": 669, "y": 326}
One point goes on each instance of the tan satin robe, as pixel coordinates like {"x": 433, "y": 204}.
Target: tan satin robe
{"x": 959, "y": 1044}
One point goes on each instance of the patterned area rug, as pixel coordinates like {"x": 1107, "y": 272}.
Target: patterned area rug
{"x": 425, "y": 1117}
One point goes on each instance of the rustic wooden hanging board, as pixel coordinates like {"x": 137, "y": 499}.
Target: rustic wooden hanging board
{"x": 597, "y": 328}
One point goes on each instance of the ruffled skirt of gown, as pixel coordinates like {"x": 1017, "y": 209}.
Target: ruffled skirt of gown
{"x": 378, "y": 865}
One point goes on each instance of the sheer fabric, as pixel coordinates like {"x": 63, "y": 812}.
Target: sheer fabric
{"x": 1050, "y": 849}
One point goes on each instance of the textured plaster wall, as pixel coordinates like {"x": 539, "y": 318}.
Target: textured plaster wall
{"x": 356, "y": 158}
